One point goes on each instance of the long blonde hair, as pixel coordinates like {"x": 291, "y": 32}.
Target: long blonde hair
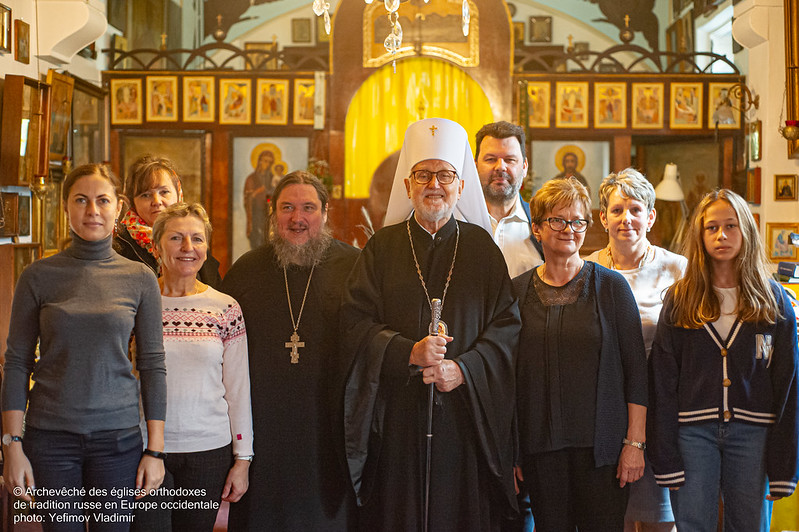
{"x": 693, "y": 299}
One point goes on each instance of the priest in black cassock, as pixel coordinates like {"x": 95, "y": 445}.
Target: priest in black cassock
{"x": 386, "y": 312}
{"x": 290, "y": 291}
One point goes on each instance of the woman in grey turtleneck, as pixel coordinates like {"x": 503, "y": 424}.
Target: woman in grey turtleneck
{"x": 82, "y": 412}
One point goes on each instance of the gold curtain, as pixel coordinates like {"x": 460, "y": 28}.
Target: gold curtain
{"x": 388, "y": 102}
{"x": 786, "y": 513}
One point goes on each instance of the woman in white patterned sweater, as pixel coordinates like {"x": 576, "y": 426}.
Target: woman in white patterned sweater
{"x": 208, "y": 436}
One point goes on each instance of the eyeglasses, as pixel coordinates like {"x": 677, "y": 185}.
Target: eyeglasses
{"x": 444, "y": 177}
{"x": 559, "y": 224}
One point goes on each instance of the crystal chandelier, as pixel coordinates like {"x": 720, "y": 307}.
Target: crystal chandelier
{"x": 393, "y": 41}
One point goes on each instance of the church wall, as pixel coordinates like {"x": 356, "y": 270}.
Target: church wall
{"x": 270, "y": 15}
{"x": 344, "y": 80}
{"x": 37, "y": 68}
{"x": 579, "y": 18}
{"x": 347, "y": 75}
{"x": 280, "y": 29}
{"x": 598, "y": 36}
{"x": 766, "y": 78}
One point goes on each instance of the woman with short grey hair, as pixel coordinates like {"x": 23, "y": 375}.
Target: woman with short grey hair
{"x": 630, "y": 183}
{"x": 627, "y": 211}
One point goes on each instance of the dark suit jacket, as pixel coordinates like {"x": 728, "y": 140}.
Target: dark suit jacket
{"x": 536, "y": 243}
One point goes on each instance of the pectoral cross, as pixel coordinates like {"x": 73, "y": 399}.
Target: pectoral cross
{"x": 294, "y": 344}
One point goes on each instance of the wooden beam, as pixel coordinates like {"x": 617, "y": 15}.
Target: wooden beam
{"x": 622, "y": 152}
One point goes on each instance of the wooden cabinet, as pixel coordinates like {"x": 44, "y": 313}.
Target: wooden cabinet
{"x": 13, "y": 259}
{"x": 24, "y": 142}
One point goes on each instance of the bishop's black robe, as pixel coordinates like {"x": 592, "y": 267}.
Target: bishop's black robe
{"x": 298, "y": 478}
{"x": 384, "y": 312}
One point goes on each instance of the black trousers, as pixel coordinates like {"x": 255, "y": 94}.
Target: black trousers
{"x": 205, "y": 471}
{"x": 567, "y": 491}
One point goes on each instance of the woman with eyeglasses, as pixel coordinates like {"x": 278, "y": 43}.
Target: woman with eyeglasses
{"x": 627, "y": 211}
{"x": 581, "y": 378}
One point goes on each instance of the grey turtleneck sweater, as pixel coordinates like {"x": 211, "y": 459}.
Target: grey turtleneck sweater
{"x": 82, "y": 305}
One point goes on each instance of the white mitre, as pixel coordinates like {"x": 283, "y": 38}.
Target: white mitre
{"x": 438, "y": 138}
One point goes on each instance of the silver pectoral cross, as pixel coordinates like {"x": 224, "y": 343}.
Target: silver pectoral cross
{"x": 294, "y": 344}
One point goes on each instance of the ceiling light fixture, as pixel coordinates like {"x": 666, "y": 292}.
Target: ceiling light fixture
{"x": 393, "y": 41}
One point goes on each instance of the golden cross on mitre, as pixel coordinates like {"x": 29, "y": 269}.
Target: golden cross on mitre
{"x": 433, "y": 129}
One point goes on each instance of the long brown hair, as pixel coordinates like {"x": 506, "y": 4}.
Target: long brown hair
{"x": 694, "y": 300}
{"x": 144, "y": 173}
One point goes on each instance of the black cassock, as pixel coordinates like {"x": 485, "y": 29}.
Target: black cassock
{"x": 385, "y": 311}
{"x": 298, "y": 478}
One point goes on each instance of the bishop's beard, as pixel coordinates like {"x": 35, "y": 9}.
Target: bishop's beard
{"x": 304, "y": 255}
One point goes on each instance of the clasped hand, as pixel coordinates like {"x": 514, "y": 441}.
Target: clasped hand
{"x": 428, "y": 353}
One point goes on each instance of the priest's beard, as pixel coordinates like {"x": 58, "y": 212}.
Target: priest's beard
{"x": 304, "y": 255}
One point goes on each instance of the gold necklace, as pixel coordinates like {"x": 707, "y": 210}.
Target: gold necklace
{"x": 419, "y": 269}
{"x": 612, "y": 264}
{"x": 294, "y": 341}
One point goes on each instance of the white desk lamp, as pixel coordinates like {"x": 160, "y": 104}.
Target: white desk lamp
{"x": 669, "y": 189}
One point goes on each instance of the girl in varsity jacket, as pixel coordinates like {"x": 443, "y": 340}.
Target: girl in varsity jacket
{"x": 724, "y": 377}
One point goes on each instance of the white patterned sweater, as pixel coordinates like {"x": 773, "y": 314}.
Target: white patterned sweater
{"x": 207, "y": 373}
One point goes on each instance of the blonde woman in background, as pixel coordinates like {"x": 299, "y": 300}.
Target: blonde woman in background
{"x": 208, "y": 438}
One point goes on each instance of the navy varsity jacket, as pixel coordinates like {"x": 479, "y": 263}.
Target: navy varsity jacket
{"x": 748, "y": 377}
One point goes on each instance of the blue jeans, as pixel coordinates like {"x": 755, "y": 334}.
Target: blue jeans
{"x": 99, "y": 462}
{"x": 727, "y": 459}
{"x": 524, "y": 521}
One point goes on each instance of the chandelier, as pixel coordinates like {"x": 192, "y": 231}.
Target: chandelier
{"x": 393, "y": 41}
